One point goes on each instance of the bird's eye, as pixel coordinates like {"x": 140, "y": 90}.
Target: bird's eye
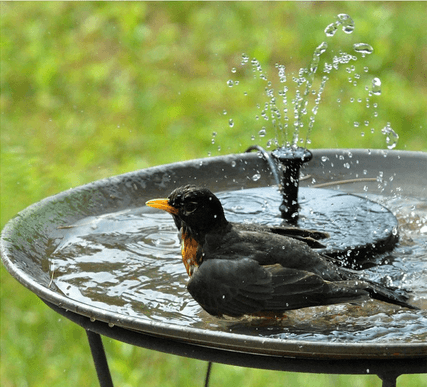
{"x": 190, "y": 207}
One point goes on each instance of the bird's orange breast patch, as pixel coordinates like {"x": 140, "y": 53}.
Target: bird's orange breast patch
{"x": 189, "y": 252}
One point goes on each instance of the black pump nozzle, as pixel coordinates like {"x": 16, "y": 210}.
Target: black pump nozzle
{"x": 289, "y": 161}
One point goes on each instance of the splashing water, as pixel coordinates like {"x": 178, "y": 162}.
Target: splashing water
{"x": 363, "y": 48}
{"x": 280, "y": 110}
{"x": 376, "y": 86}
{"x": 343, "y": 20}
{"x": 391, "y": 136}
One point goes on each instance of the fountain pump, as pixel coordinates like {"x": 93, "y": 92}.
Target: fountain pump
{"x": 285, "y": 164}
{"x": 289, "y": 161}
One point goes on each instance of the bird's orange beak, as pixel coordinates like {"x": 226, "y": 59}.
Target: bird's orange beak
{"x": 162, "y": 204}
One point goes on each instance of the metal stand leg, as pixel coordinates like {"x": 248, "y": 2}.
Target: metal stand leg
{"x": 99, "y": 358}
{"x": 389, "y": 380}
{"x": 208, "y": 374}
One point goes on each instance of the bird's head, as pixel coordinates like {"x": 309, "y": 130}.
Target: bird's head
{"x": 196, "y": 209}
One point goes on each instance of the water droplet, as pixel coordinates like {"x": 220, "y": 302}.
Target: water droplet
{"x": 347, "y": 23}
{"x": 376, "y": 86}
{"x": 233, "y": 163}
{"x": 230, "y": 83}
{"x": 282, "y": 76}
{"x": 363, "y": 48}
{"x": 391, "y": 136}
{"x": 262, "y": 132}
{"x": 233, "y": 70}
{"x": 256, "y": 177}
{"x": 230, "y": 123}
{"x": 111, "y": 325}
{"x": 331, "y": 29}
{"x": 245, "y": 59}
{"x": 324, "y": 158}
{"x": 348, "y": 29}
{"x": 321, "y": 49}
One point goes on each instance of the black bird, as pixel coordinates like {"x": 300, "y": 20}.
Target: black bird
{"x": 243, "y": 269}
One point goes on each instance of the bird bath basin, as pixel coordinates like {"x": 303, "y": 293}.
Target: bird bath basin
{"x": 99, "y": 256}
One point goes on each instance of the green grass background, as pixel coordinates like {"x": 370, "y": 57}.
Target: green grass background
{"x": 90, "y": 90}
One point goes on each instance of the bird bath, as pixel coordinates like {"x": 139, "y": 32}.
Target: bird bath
{"x": 98, "y": 256}
{"x": 81, "y": 252}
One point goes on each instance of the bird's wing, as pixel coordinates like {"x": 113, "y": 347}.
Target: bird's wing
{"x": 269, "y": 248}
{"x": 311, "y": 237}
{"x": 237, "y": 287}
{"x": 302, "y": 232}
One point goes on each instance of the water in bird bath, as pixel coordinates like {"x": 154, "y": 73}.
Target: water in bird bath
{"x": 129, "y": 262}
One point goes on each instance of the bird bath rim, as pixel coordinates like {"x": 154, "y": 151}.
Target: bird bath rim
{"x": 110, "y": 193}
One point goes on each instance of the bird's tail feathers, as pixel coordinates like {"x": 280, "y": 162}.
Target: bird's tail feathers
{"x": 379, "y": 292}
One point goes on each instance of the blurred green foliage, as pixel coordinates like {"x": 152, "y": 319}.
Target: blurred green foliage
{"x": 90, "y": 90}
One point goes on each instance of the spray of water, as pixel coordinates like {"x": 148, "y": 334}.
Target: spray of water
{"x": 289, "y": 116}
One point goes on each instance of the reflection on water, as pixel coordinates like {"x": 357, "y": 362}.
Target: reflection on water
{"x": 129, "y": 262}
